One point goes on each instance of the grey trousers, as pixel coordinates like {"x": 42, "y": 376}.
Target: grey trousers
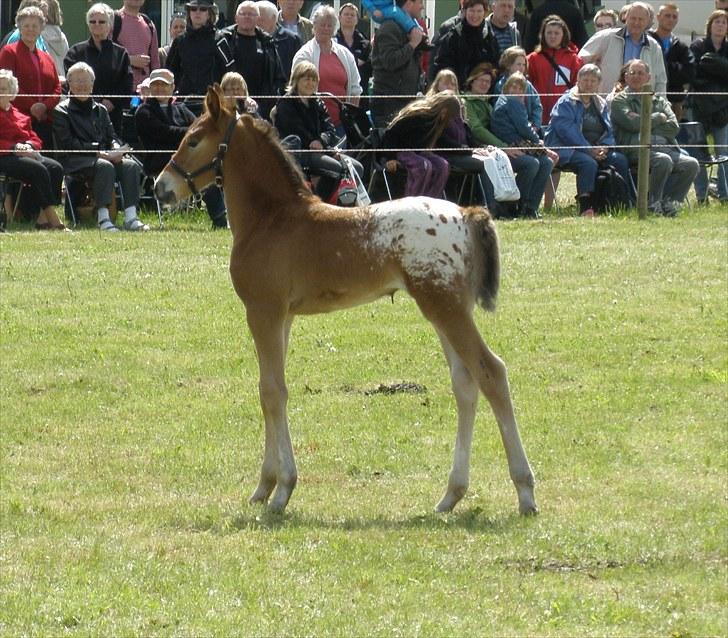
{"x": 129, "y": 174}
{"x": 671, "y": 174}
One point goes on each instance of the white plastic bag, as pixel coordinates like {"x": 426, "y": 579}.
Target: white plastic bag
{"x": 501, "y": 175}
{"x": 362, "y": 197}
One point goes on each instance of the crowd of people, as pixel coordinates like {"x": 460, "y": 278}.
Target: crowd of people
{"x": 539, "y": 88}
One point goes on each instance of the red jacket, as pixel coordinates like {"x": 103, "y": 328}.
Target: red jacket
{"x": 15, "y": 127}
{"x": 544, "y": 78}
{"x": 17, "y": 58}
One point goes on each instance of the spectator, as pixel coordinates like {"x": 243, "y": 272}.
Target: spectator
{"x": 56, "y": 43}
{"x": 502, "y": 24}
{"x": 382, "y": 10}
{"x": 512, "y": 61}
{"x": 678, "y": 58}
{"x": 605, "y": 19}
{"x": 291, "y": 19}
{"x": 336, "y": 66}
{"x": 395, "y": 65}
{"x": 44, "y": 175}
{"x": 721, "y": 4}
{"x": 711, "y": 54}
{"x": 302, "y": 114}
{"x": 611, "y": 48}
{"x": 109, "y": 61}
{"x": 510, "y": 123}
{"x": 423, "y": 120}
{"x": 251, "y": 52}
{"x": 286, "y": 42}
{"x": 671, "y": 171}
{"x": 457, "y": 134}
{"x": 82, "y": 124}
{"x": 236, "y": 94}
{"x": 564, "y": 9}
{"x": 553, "y": 66}
{"x": 177, "y": 26}
{"x": 479, "y": 110}
{"x": 35, "y": 71}
{"x": 444, "y": 29}
{"x": 468, "y": 43}
{"x": 161, "y": 123}
{"x": 136, "y": 32}
{"x": 14, "y": 35}
{"x": 194, "y": 57}
{"x": 581, "y": 127}
{"x": 357, "y": 43}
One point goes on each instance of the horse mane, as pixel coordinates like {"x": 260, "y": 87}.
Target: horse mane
{"x": 285, "y": 160}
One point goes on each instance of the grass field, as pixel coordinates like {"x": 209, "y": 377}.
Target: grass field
{"x": 131, "y": 439}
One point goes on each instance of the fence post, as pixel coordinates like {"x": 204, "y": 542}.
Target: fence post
{"x": 643, "y": 165}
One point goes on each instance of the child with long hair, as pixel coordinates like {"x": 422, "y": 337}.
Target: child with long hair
{"x": 421, "y": 123}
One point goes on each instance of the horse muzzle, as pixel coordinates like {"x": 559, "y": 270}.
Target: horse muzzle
{"x": 164, "y": 192}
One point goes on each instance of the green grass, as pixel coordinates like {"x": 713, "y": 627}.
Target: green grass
{"x": 131, "y": 438}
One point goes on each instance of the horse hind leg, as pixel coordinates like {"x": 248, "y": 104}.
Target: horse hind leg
{"x": 489, "y": 373}
{"x": 466, "y": 396}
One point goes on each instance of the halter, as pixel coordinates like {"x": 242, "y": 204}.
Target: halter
{"x": 215, "y": 163}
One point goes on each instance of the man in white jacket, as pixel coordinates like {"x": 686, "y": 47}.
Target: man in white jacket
{"x": 610, "y": 49}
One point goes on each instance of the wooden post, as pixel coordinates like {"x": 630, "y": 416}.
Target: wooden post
{"x": 643, "y": 165}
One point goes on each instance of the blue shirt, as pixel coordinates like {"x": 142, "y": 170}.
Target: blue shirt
{"x": 631, "y": 50}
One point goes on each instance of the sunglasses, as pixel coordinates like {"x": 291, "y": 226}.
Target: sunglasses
{"x": 97, "y": 21}
{"x": 195, "y": 9}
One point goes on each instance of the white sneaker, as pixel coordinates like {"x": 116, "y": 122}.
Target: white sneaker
{"x": 670, "y": 208}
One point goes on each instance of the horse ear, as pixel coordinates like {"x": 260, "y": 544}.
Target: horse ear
{"x": 214, "y": 100}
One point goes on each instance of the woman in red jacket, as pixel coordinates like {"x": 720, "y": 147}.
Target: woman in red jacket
{"x": 552, "y": 69}
{"x": 554, "y": 63}
{"x": 36, "y": 73}
{"x": 20, "y": 159}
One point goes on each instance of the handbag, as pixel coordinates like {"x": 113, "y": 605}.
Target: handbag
{"x": 500, "y": 173}
{"x": 362, "y": 196}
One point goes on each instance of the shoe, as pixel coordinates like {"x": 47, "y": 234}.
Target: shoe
{"x": 589, "y": 212}
{"x": 135, "y": 224}
{"x": 655, "y": 209}
{"x": 107, "y": 225}
{"x": 527, "y": 213}
{"x": 670, "y": 208}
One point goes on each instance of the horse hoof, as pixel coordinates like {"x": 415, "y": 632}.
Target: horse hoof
{"x": 530, "y": 509}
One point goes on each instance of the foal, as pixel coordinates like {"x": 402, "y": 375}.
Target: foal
{"x": 293, "y": 254}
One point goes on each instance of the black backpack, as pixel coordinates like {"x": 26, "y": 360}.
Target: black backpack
{"x": 611, "y": 192}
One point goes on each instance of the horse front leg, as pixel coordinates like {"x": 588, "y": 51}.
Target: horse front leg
{"x": 278, "y": 470}
{"x": 466, "y": 396}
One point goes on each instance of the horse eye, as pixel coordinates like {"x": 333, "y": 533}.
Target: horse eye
{"x": 193, "y": 143}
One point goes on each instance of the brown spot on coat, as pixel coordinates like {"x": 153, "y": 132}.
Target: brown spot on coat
{"x": 431, "y": 231}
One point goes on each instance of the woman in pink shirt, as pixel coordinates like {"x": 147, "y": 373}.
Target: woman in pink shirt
{"x": 337, "y": 67}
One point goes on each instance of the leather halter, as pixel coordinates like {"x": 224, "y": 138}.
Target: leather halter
{"x": 215, "y": 163}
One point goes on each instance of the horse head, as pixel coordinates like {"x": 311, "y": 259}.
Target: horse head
{"x": 198, "y": 161}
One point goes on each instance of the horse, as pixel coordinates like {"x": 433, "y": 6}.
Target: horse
{"x": 293, "y": 254}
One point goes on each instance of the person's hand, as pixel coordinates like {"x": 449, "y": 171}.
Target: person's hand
{"x": 415, "y": 37}
{"x": 659, "y": 118}
{"x": 112, "y": 156}
{"x": 599, "y": 153}
{"x": 552, "y": 155}
{"x": 108, "y": 104}
{"x": 513, "y": 152}
{"x": 25, "y": 149}
{"x": 140, "y": 61}
{"x": 39, "y": 111}
{"x": 251, "y": 106}
{"x": 377, "y": 13}
{"x": 391, "y": 166}
{"x": 316, "y": 145}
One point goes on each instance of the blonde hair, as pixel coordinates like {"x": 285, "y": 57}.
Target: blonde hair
{"x": 30, "y": 12}
{"x": 441, "y": 75}
{"x": 438, "y": 110}
{"x": 55, "y": 13}
{"x": 516, "y": 78}
{"x": 231, "y": 77}
{"x": 301, "y": 70}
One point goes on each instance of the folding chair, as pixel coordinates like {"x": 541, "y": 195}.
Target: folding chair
{"x": 6, "y": 181}
{"x": 693, "y": 139}
{"x": 465, "y": 179}
{"x": 71, "y": 183}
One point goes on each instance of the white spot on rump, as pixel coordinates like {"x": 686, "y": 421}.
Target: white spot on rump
{"x": 401, "y": 227}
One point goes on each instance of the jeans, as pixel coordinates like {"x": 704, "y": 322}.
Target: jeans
{"x": 532, "y": 173}
{"x": 720, "y": 135}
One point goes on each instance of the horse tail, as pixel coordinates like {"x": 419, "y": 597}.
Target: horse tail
{"x": 486, "y": 258}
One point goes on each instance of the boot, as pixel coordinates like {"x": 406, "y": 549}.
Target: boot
{"x": 586, "y": 209}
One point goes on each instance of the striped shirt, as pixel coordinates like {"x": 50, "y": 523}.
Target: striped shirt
{"x": 139, "y": 39}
